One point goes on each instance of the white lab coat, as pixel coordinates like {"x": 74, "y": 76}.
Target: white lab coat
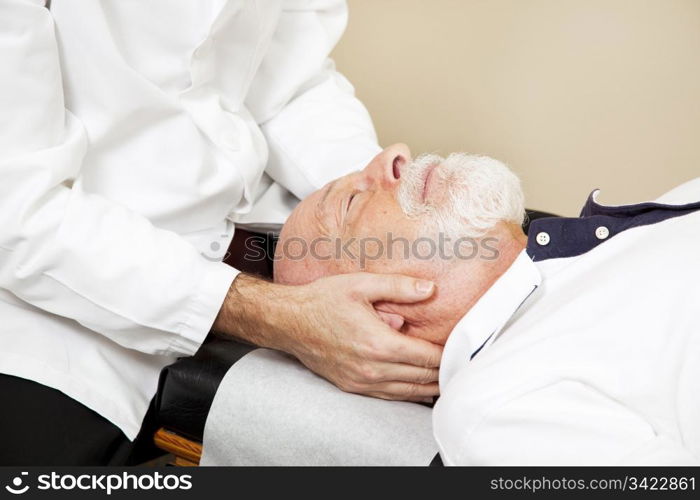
{"x": 134, "y": 136}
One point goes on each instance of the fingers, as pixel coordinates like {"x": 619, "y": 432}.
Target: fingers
{"x": 395, "y": 321}
{"x": 365, "y": 377}
{"x": 392, "y": 381}
{"x": 393, "y": 372}
{"x": 403, "y": 391}
{"x": 399, "y": 348}
{"x": 366, "y": 354}
{"x": 390, "y": 287}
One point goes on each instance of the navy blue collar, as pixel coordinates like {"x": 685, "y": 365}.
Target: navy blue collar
{"x": 572, "y": 236}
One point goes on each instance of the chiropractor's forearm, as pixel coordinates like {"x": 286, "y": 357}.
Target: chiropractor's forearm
{"x": 331, "y": 326}
{"x": 252, "y": 312}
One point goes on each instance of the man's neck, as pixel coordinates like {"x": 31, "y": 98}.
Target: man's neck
{"x": 512, "y": 241}
{"x": 460, "y": 287}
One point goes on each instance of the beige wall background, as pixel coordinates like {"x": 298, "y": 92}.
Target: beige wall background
{"x": 572, "y": 94}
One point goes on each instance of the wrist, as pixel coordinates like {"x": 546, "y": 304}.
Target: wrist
{"x": 259, "y": 312}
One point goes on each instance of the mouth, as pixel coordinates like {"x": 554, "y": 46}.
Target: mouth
{"x": 428, "y": 177}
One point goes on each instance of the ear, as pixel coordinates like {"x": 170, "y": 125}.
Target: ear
{"x": 395, "y": 321}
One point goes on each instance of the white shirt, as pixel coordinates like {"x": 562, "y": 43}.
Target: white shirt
{"x": 134, "y": 136}
{"x": 599, "y": 365}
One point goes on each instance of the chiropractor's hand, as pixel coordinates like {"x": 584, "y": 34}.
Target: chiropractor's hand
{"x": 331, "y": 326}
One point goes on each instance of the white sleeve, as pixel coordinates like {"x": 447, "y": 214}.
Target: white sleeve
{"x": 660, "y": 450}
{"x": 315, "y": 127}
{"x": 73, "y": 253}
{"x": 567, "y": 423}
{"x": 688, "y": 192}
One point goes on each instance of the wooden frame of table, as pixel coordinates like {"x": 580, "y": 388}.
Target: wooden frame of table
{"x": 187, "y": 452}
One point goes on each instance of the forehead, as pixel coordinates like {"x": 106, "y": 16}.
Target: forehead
{"x": 301, "y": 221}
{"x": 301, "y": 228}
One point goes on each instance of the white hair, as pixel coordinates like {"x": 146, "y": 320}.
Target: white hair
{"x": 477, "y": 193}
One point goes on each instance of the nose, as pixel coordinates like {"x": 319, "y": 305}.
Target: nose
{"x": 386, "y": 167}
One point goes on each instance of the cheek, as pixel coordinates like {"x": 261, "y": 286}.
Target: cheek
{"x": 384, "y": 222}
{"x": 385, "y": 242}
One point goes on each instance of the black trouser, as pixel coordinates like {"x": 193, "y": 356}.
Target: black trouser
{"x": 43, "y": 426}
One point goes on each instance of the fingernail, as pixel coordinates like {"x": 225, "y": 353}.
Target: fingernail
{"x": 423, "y": 286}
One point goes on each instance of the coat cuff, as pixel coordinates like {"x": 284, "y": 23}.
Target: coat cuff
{"x": 213, "y": 285}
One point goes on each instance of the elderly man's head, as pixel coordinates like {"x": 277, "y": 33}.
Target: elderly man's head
{"x": 455, "y": 221}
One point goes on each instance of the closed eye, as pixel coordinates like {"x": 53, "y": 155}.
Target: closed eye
{"x": 347, "y": 209}
{"x": 352, "y": 197}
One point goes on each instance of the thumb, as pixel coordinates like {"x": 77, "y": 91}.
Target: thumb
{"x": 395, "y": 288}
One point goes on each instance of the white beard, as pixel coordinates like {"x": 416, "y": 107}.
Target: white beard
{"x": 478, "y": 192}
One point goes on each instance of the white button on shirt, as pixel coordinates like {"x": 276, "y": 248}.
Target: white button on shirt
{"x": 134, "y": 136}
{"x": 600, "y": 364}
{"x": 602, "y": 232}
{"x": 542, "y": 238}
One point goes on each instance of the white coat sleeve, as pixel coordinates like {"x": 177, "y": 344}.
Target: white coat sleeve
{"x": 567, "y": 423}
{"x": 315, "y": 127}
{"x": 72, "y": 253}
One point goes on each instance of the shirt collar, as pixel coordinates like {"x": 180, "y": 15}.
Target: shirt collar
{"x": 562, "y": 237}
{"x": 482, "y": 323}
